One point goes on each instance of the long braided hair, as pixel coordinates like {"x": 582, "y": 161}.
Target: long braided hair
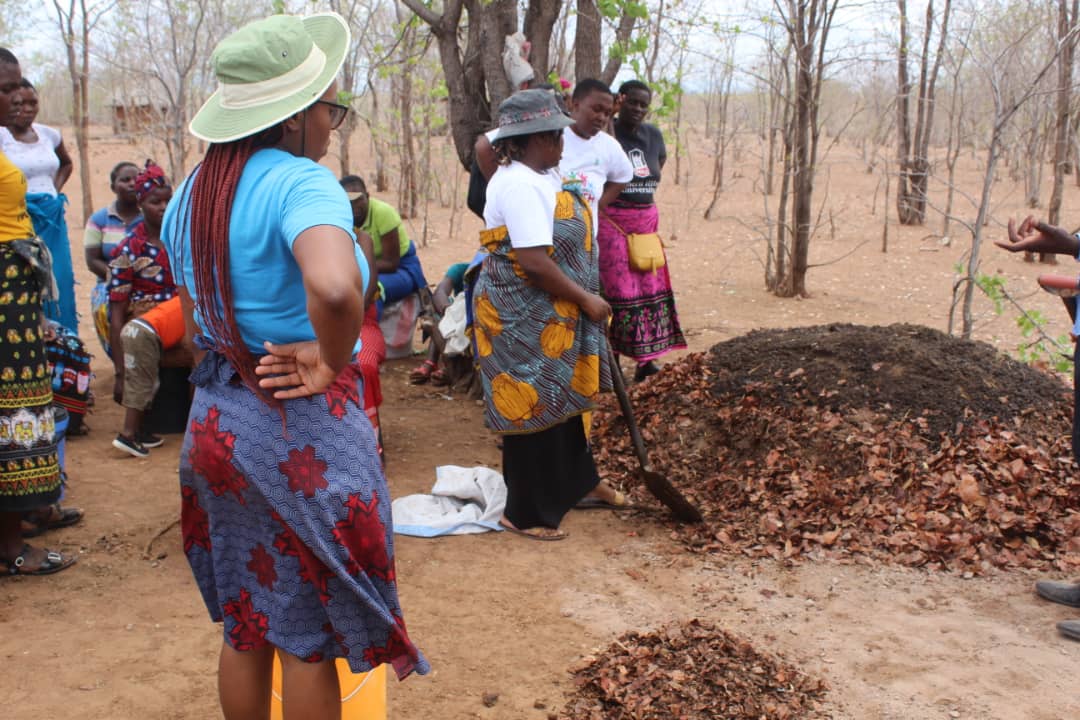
{"x": 210, "y": 203}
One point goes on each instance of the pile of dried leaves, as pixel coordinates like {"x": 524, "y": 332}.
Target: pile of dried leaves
{"x": 848, "y": 450}
{"x": 689, "y": 671}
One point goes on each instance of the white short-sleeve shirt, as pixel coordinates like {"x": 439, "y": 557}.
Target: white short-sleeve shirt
{"x": 37, "y": 160}
{"x": 591, "y": 163}
{"x": 524, "y": 201}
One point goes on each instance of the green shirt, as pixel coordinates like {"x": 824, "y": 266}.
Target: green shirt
{"x": 382, "y": 218}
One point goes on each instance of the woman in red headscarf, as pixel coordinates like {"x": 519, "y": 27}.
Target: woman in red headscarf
{"x": 139, "y": 274}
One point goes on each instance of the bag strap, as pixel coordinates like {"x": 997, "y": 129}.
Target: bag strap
{"x": 607, "y": 217}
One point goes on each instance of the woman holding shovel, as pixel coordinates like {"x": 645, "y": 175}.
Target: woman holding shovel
{"x": 539, "y": 323}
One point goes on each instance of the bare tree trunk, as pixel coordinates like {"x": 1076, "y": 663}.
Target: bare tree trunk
{"x": 587, "y": 41}
{"x": 75, "y": 23}
{"x": 913, "y": 153}
{"x": 782, "y": 253}
{"x": 720, "y": 143}
{"x": 807, "y": 23}
{"x": 474, "y": 76}
{"x": 1033, "y": 158}
{"x": 777, "y": 109}
{"x": 622, "y": 38}
{"x": 655, "y": 26}
{"x": 82, "y": 130}
{"x": 952, "y": 154}
{"x": 378, "y": 148}
{"x": 470, "y": 111}
{"x": 540, "y": 19}
{"x": 1063, "y": 130}
{"x": 976, "y": 242}
{"x": 498, "y": 20}
{"x": 885, "y": 214}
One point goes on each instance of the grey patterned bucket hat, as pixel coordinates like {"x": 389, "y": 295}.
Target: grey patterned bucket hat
{"x": 530, "y": 111}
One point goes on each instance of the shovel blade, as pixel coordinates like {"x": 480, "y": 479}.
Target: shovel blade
{"x": 665, "y": 492}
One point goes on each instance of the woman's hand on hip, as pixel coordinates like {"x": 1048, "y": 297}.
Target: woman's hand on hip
{"x": 294, "y": 370}
{"x": 596, "y": 308}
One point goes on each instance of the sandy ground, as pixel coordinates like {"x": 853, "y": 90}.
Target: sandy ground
{"x": 124, "y": 634}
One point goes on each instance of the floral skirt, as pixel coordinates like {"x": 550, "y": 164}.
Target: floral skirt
{"x": 287, "y": 526}
{"x": 644, "y": 322}
{"x": 29, "y": 468}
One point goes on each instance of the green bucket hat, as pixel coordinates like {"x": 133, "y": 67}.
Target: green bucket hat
{"x": 269, "y": 70}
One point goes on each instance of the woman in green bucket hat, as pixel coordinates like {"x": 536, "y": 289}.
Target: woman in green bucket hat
{"x": 285, "y": 510}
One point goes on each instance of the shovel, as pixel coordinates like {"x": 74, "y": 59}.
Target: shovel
{"x": 657, "y": 484}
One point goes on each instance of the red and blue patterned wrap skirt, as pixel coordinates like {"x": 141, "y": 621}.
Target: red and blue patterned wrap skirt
{"x": 287, "y": 527}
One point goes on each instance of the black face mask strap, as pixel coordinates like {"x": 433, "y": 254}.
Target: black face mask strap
{"x": 303, "y": 134}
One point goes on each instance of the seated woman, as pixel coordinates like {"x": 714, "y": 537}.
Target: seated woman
{"x": 400, "y": 273}
{"x": 105, "y": 230}
{"x": 38, "y": 150}
{"x": 446, "y": 292}
{"x": 146, "y": 338}
{"x": 140, "y": 278}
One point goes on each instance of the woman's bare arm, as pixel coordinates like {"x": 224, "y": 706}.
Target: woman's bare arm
{"x": 95, "y": 260}
{"x": 391, "y": 253}
{"x": 546, "y": 275}
{"x": 335, "y": 291}
{"x": 66, "y": 166}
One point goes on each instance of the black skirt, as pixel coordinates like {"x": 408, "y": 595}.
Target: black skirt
{"x": 547, "y": 473}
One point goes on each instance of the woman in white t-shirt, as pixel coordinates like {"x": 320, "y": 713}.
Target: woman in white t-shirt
{"x": 38, "y": 150}
{"x": 592, "y": 160}
{"x": 539, "y": 323}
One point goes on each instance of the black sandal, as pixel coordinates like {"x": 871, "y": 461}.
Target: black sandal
{"x": 54, "y": 562}
{"x": 58, "y": 517}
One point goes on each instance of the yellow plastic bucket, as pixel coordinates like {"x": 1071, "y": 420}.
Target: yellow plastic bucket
{"x": 363, "y": 696}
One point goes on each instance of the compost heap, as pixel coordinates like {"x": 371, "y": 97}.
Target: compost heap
{"x": 689, "y": 671}
{"x": 896, "y": 443}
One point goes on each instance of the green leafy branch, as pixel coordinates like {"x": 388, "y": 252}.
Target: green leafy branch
{"x": 1039, "y": 346}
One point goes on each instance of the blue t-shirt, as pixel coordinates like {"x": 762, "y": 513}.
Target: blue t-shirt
{"x": 278, "y": 198}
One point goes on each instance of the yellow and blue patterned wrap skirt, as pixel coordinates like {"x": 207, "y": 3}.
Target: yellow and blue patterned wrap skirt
{"x": 541, "y": 360}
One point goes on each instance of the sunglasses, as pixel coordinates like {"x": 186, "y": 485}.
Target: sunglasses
{"x": 337, "y": 112}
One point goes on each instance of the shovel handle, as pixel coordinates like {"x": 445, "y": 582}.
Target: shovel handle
{"x": 627, "y": 410}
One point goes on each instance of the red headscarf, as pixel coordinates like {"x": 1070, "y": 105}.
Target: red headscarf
{"x": 150, "y": 178}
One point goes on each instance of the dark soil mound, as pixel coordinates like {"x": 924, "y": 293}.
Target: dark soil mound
{"x": 801, "y": 443}
{"x": 903, "y": 371}
{"x": 693, "y": 671}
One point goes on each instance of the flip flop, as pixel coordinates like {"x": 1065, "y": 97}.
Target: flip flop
{"x": 62, "y": 518}
{"x": 595, "y": 503}
{"x": 537, "y": 533}
{"x": 54, "y": 563}
{"x": 422, "y": 373}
